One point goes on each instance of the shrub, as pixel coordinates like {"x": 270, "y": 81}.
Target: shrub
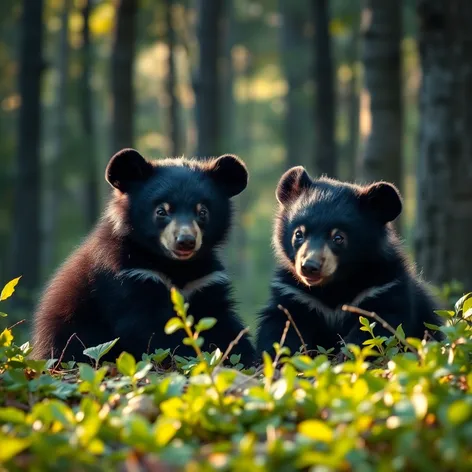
{"x": 409, "y": 410}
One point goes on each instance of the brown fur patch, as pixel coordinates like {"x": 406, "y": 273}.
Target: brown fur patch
{"x": 329, "y": 262}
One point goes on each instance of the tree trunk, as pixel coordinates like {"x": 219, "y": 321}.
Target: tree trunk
{"x": 354, "y": 106}
{"x": 26, "y": 214}
{"x": 122, "y": 62}
{"x": 293, "y": 46}
{"x": 444, "y": 218}
{"x": 52, "y": 178}
{"x": 174, "y": 122}
{"x": 206, "y": 83}
{"x": 91, "y": 179}
{"x": 325, "y": 149}
{"x": 382, "y": 159}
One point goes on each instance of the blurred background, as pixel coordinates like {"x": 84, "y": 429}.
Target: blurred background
{"x": 358, "y": 90}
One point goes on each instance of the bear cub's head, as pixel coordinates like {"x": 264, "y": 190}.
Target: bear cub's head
{"x": 327, "y": 230}
{"x": 178, "y": 208}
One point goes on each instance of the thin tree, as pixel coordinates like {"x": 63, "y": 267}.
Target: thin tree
{"x": 444, "y": 211}
{"x": 294, "y": 43}
{"x": 325, "y": 149}
{"x": 91, "y": 179}
{"x": 174, "y": 119}
{"x": 122, "y": 67}
{"x": 53, "y": 170}
{"x": 206, "y": 84}
{"x": 26, "y": 214}
{"x": 382, "y": 159}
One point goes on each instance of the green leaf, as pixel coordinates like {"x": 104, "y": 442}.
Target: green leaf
{"x": 86, "y": 373}
{"x": 160, "y": 355}
{"x": 316, "y": 430}
{"x": 6, "y": 338}
{"x": 178, "y": 302}
{"x": 173, "y": 325}
{"x": 235, "y": 358}
{"x": 126, "y": 364}
{"x": 364, "y": 321}
{"x": 399, "y": 332}
{"x": 165, "y": 429}
{"x": 459, "y": 412}
{"x": 444, "y": 313}
{"x": 268, "y": 366}
{"x": 467, "y": 314}
{"x": 432, "y": 326}
{"x": 9, "y": 288}
{"x": 143, "y": 369}
{"x": 3, "y": 315}
{"x": 12, "y": 415}
{"x": 461, "y": 304}
{"x": 205, "y": 324}
{"x": 97, "y": 352}
{"x": 12, "y": 446}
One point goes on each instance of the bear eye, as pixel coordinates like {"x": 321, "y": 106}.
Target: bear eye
{"x": 299, "y": 235}
{"x": 161, "y": 211}
{"x": 338, "y": 237}
{"x": 202, "y": 212}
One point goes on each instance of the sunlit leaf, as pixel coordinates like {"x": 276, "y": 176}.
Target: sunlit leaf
{"x": 316, "y": 430}
{"x": 11, "y": 446}
{"x": 173, "y": 325}
{"x": 6, "y": 337}
{"x": 9, "y": 288}
{"x": 126, "y": 364}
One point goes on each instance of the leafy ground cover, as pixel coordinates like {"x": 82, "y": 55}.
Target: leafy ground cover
{"x": 410, "y": 409}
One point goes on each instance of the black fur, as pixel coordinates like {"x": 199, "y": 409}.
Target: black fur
{"x": 116, "y": 284}
{"x": 369, "y": 261}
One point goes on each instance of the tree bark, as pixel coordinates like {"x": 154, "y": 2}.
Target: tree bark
{"x": 26, "y": 215}
{"x": 354, "y": 105}
{"x": 293, "y": 46}
{"x": 91, "y": 180}
{"x": 122, "y": 65}
{"x": 206, "y": 84}
{"x": 174, "y": 121}
{"x": 325, "y": 149}
{"x": 382, "y": 159}
{"x": 444, "y": 212}
{"x": 52, "y": 172}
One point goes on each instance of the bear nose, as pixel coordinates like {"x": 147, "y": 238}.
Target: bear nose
{"x": 311, "y": 268}
{"x": 185, "y": 242}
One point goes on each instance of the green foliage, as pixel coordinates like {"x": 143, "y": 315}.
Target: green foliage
{"x": 409, "y": 410}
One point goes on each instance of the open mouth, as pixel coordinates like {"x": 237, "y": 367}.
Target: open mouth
{"x": 182, "y": 255}
{"x": 314, "y": 280}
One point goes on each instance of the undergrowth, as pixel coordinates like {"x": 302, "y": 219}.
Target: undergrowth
{"x": 411, "y": 409}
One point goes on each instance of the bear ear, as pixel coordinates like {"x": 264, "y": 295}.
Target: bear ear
{"x": 230, "y": 172}
{"x": 127, "y": 166}
{"x": 292, "y": 184}
{"x": 383, "y": 199}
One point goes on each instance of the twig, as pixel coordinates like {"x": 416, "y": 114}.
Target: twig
{"x": 382, "y": 322}
{"x": 281, "y": 344}
{"x": 295, "y": 327}
{"x": 16, "y": 324}
{"x": 58, "y": 363}
{"x": 149, "y": 343}
{"x": 231, "y": 345}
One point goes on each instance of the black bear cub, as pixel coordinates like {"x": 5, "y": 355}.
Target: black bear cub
{"x": 335, "y": 245}
{"x": 161, "y": 229}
